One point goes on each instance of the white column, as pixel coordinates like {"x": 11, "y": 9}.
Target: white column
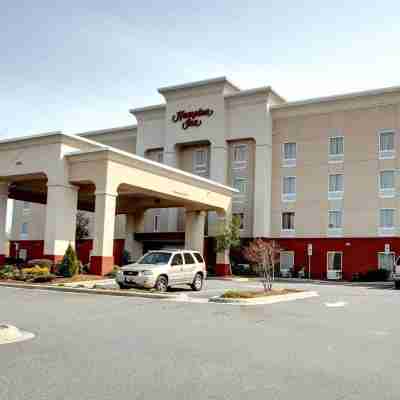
{"x": 194, "y": 230}
{"x": 223, "y": 266}
{"x": 60, "y": 229}
{"x": 102, "y": 260}
{"x": 171, "y": 159}
{"x": 134, "y": 224}
{"x": 262, "y": 191}
{"x": 3, "y": 221}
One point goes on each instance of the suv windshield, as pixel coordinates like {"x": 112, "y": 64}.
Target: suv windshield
{"x": 156, "y": 258}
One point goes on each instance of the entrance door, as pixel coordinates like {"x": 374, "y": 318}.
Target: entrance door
{"x": 286, "y": 263}
{"x": 334, "y": 265}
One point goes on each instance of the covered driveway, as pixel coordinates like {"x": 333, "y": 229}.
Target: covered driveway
{"x": 68, "y": 173}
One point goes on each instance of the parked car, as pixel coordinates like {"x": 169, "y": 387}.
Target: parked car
{"x": 396, "y": 273}
{"x": 164, "y": 268}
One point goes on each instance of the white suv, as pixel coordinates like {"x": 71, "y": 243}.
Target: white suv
{"x": 164, "y": 268}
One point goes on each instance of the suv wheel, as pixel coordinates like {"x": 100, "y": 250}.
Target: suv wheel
{"x": 397, "y": 284}
{"x": 161, "y": 284}
{"x": 197, "y": 284}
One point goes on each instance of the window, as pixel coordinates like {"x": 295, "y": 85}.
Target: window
{"x": 200, "y": 161}
{"x": 289, "y": 188}
{"x": 286, "y": 262}
{"x": 240, "y": 155}
{"x": 240, "y": 184}
{"x": 288, "y": 221}
{"x": 24, "y": 231}
{"x": 336, "y": 148}
{"x": 240, "y": 216}
{"x": 188, "y": 258}
{"x": 198, "y": 257}
{"x": 386, "y": 144}
{"x": 159, "y": 156}
{"x": 26, "y": 207}
{"x": 386, "y": 222}
{"x": 156, "y": 223}
{"x": 386, "y": 218}
{"x": 387, "y": 183}
{"x": 289, "y": 154}
{"x": 155, "y": 155}
{"x": 177, "y": 260}
{"x": 335, "y": 190}
{"x": 334, "y": 264}
{"x": 335, "y": 219}
{"x": 386, "y": 261}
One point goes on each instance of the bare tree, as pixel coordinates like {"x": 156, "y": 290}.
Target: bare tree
{"x": 82, "y": 226}
{"x": 264, "y": 254}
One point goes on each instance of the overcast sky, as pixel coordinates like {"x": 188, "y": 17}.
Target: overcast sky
{"x": 80, "y": 65}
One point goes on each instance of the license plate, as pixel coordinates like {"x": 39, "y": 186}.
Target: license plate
{"x": 129, "y": 279}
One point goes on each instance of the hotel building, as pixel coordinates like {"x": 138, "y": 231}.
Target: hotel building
{"x": 320, "y": 176}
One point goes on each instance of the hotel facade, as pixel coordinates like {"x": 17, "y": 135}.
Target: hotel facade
{"x": 320, "y": 176}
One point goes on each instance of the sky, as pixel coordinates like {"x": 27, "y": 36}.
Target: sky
{"x": 81, "y": 65}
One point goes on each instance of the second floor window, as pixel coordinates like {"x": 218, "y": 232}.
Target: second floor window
{"x": 156, "y": 223}
{"x": 240, "y": 217}
{"x": 289, "y": 188}
{"x": 240, "y": 184}
{"x": 386, "y": 218}
{"x": 336, "y": 183}
{"x": 200, "y": 161}
{"x": 288, "y": 221}
{"x": 386, "y": 180}
{"x": 289, "y": 151}
{"x": 336, "y": 147}
{"x": 335, "y": 219}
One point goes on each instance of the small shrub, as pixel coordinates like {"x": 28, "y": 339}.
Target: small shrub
{"x": 8, "y": 272}
{"x": 70, "y": 264}
{"x": 373, "y": 275}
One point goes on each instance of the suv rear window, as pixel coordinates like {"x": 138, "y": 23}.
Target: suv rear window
{"x": 188, "y": 258}
{"x": 199, "y": 258}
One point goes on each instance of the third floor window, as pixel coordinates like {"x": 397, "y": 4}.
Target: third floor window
{"x": 336, "y": 148}
{"x": 386, "y": 144}
{"x": 240, "y": 155}
{"x": 289, "y": 154}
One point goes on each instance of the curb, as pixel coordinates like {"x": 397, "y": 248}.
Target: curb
{"x": 107, "y": 292}
{"x": 267, "y": 300}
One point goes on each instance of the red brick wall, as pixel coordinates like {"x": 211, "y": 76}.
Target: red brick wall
{"x": 359, "y": 254}
{"x": 35, "y": 249}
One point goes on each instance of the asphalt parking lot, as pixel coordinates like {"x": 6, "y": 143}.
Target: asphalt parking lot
{"x": 341, "y": 345}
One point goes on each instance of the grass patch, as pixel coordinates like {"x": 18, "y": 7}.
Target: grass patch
{"x": 253, "y": 294}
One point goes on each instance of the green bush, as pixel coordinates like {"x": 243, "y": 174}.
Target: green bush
{"x": 373, "y": 275}
{"x": 8, "y": 272}
{"x": 70, "y": 264}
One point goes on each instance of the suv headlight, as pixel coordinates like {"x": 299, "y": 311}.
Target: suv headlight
{"x": 147, "y": 273}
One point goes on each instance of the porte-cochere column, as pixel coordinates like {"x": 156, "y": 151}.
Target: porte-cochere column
{"x": 60, "y": 229}
{"x": 102, "y": 260}
{"x": 3, "y": 221}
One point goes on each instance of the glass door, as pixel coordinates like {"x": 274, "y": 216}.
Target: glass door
{"x": 334, "y": 265}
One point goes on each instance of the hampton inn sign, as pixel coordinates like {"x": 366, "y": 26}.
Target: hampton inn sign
{"x": 192, "y": 118}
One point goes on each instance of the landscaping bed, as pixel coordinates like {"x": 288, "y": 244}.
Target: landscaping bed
{"x": 240, "y": 294}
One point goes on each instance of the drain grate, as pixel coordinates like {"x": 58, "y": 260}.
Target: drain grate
{"x": 11, "y": 334}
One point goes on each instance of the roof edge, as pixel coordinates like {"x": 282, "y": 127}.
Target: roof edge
{"x": 339, "y": 97}
{"x": 195, "y": 84}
